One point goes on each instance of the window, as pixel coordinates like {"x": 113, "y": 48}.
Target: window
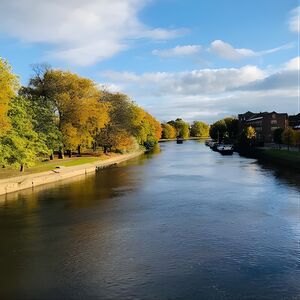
{"x": 274, "y": 122}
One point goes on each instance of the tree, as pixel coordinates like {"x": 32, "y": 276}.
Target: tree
{"x": 8, "y": 87}
{"x": 277, "y": 135}
{"x": 225, "y": 129}
{"x": 250, "y": 133}
{"x": 168, "y": 131}
{"x": 77, "y": 103}
{"x": 297, "y": 138}
{"x": 218, "y": 130}
{"x": 21, "y": 146}
{"x": 288, "y": 137}
{"x": 111, "y": 137}
{"x": 247, "y": 137}
{"x": 199, "y": 129}
{"x": 232, "y": 126}
{"x": 182, "y": 128}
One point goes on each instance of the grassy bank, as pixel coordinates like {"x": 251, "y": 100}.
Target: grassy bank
{"x": 284, "y": 157}
{"x": 52, "y": 164}
{"x": 290, "y": 159}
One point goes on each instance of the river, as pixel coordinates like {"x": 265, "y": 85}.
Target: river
{"x": 182, "y": 223}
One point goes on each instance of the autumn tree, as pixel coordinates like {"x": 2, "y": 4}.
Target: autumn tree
{"x": 247, "y": 137}
{"x": 182, "y": 128}
{"x": 145, "y": 128}
{"x": 288, "y": 137}
{"x": 297, "y": 138}
{"x": 199, "y": 129}
{"x": 77, "y": 103}
{"x": 168, "y": 131}
{"x": 8, "y": 88}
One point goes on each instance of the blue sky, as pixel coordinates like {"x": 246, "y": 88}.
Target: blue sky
{"x": 194, "y": 59}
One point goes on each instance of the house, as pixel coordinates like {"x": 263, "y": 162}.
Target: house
{"x": 294, "y": 122}
{"x": 264, "y": 123}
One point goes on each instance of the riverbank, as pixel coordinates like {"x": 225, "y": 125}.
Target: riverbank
{"x": 14, "y": 184}
{"x": 190, "y": 138}
{"x": 290, "y": 159}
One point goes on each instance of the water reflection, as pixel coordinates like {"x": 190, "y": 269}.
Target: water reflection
{"x": 183, "y": 223}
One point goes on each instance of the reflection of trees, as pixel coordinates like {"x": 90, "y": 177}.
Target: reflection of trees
{"x": 284, "y": 174}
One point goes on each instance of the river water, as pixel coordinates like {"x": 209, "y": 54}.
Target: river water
{"x": 182, "y": 223}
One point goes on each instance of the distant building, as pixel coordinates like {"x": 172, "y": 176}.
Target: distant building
{"x": 294, "y": 122}
{"x": 264, "y": 123}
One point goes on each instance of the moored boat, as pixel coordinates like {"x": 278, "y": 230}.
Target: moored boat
{"x": 225, "y": 149}
{"x": 207, "y": 142}
{"x": 179, "y": 140}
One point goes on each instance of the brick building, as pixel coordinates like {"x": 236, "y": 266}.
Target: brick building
{"x": 294, "y": 122}
{"x": 264, "y": 123}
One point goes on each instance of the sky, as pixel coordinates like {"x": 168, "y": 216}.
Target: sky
{"x": 194, "y": 59}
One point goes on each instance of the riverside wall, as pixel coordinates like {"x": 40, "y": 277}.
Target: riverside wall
{"x": 14, "y": 184}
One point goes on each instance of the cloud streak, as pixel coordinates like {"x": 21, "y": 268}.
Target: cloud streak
{"x": 226, "y": 51}
{"x": 186, "y": 50}
{"x": 294, "y": 20}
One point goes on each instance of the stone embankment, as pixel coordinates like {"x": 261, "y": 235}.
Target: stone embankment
{"x": 15, "y": 184}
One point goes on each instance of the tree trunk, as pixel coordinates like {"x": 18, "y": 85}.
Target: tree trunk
{"x": 22, "y": 168}
{"x": 94, "y": 146}
{"x": 105, "y": 149}
{"x": 51, "y": 155}
{"x": 70, "y": 153}
{"x": 79, "y": 150}
{"x": 60, "y": 154}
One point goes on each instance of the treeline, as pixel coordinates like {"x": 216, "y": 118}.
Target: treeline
{"x": 227, "y": 130}
{"x": 288, "y": 136}
{"x": 181, "y": 129}
{"x": 61, "y": 112}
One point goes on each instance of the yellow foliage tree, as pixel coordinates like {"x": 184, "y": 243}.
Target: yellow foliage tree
{"x": 289, "y": 137}
{"x": 8, "y": 87}
{"x": 79, "y": 107}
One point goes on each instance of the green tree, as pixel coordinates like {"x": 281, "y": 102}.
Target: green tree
{"x": 8, "y": 88}
{"x": 199, "y": 129}
{"x": 218, "y": 130}
{"x": 21, "y": 146}
{"x": 232, "y": 127}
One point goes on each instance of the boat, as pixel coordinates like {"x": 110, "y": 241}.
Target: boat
{"x": 225, "y": 149}
{"x": 207, "y": 142}
{"x": 213, "y": 145}
{"x": 179, "y": 140}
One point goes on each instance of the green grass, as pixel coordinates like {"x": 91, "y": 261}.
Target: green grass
{"x": 291, "y": 158}
{"x": 50, "y": 165}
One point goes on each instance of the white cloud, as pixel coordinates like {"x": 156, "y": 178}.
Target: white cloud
{"x": 227, "y": 51}
{"x": 210, "y": 94}
{"x": 208, "y": 81}
{"x": 81, "y": 32}
{"x": 178, "y": 51}
{"x": 293, "y": 64}
{"x": 294, "y": 20}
